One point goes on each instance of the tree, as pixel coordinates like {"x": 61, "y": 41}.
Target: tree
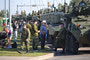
{"x": 60, "y": 7}
{"x": 24, "y": 13}
{"x": 2, "y": 13}
{"x": 76, "y": 2}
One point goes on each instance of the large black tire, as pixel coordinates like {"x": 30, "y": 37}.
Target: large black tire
{"x": 74, "y": 45}
{"x": 71, "y": 44}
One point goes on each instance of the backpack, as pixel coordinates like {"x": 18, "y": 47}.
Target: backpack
{"x": 14, "y": 45}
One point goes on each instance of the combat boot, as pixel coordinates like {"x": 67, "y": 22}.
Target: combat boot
{"x": 20, "y": 51}
{"x": 27, "y": 52}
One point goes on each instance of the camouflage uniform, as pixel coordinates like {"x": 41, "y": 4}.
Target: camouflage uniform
{"x": 29, "y": 26}
{"x": 71, "y": 44}
{"x": 60, "y": 41}
{"x": 25, "y": 35}
{"x": 35, "y": 36}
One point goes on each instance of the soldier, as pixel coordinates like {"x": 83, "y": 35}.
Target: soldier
{"x": 28, "y": 25}
{"x": 71, "y": 45}
{"x": 35, "y": 35}
{"x": 60, "y": 39}
{"x": 25, "y": 37}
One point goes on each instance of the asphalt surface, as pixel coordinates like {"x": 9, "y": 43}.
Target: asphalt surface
{"x": 84, "y": 54}
{"x": 75, "y": 57}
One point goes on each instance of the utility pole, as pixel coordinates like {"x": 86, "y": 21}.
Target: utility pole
{"x": 9, "y": 14}
{"x": 5, "y": 12}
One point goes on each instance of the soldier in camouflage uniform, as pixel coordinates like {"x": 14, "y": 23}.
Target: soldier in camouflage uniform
{"x": 60, "y": 39}
{"x": 71, "y": 45}
{"x": 28, "y": 25}
{"x": 25, "y": 37}
{"x": 35, "y": 36}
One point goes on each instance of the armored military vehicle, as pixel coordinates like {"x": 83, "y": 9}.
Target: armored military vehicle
{"x": 78, "y": 28}
{"x": 82, "y": 19}
{"x": 52, "y": 19}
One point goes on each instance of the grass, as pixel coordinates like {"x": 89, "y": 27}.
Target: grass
{"x": 1, "y": 18}
{"x": 13, "y": 51}
{"x": 1, "y": 28}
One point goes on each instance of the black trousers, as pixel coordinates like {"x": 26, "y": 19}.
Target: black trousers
{"x": 42, "y": 41}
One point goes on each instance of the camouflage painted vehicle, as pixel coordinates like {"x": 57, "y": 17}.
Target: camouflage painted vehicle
{"x": 52, "y": 19}
{"x": 80, "y": 16}
{"x": 79, "y": 35}
{"x": 83, "y": 21}
{"x": 81, "y": 9}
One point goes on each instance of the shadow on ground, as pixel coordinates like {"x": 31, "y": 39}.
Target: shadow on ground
{"x": 80, "y": 52}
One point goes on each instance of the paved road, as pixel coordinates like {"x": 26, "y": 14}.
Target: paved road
{"x": 84, "y": 54}
{"x": 75, "y": 57}
{"x": 13, "y": 58}
{"x": 26, "y": 58}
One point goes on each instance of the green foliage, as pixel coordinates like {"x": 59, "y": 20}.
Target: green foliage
{"x": 1, "y": 28}
{"x": 1, "y": 18}
{"x": 60, "y": 6}
{"x": 76, "y": 2}
{"x": 23, "y": 13}
{"x": 2, "y": 13}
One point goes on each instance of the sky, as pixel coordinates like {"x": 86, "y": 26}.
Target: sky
{"x": 28, "y": 9}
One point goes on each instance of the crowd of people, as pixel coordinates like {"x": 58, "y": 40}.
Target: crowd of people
{"x": 37, "y": 32}
{"x": 27, "y": 30}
